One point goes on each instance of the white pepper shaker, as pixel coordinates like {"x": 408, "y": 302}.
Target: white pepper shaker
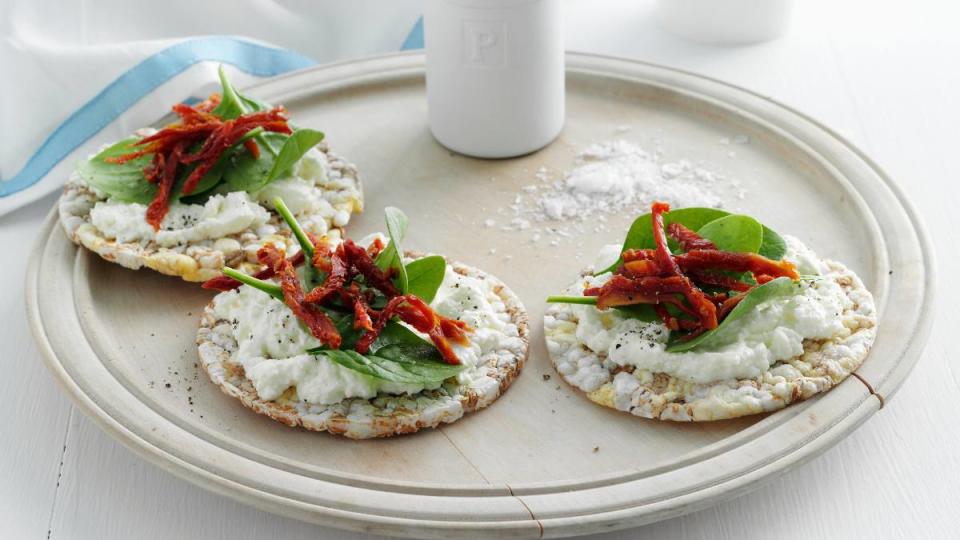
{"x": 495, "y": 74}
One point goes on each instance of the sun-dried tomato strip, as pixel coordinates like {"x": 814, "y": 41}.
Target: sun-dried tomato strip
{"x": 621, "y": 290}
{"x": 158, "y": 207}
{"x": 319, "y": 324}
{"x": 194, "y": 114}
{"x": 366, "y": 340}
{"x": 226, "y": 283}
{"x": 729, "y": 304}
{"x": 455, "y": 330}
{"x": 688, "y": 239}
{"x": 706, "y": 311}
{"x": 737, "y": 262}
{"x": 251, "y": 146}
{"x": 674, "y": 323}
{"x": 415, "y": 312}
{"x": 209, "y": 104}
{"x": 337, "y": 275}
{"x": 639, "y": 255}
{"x": 154, "y": 172}
{"x": 714, "y": 279}
{"x": 641, "y": 268}
{"x": 375, "y": 247}
{"x": 361, "y": 310}
{"x": 662, "y": 256}
{"x": 364, "y": 265}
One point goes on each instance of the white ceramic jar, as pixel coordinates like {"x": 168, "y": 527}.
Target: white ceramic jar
{"x": 495, "y": 74}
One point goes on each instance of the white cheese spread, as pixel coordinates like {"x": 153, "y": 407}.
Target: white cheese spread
{"x": 772, "y": 332}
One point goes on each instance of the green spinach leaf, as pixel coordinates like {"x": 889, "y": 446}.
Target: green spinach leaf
{"x": 247, "y": 173}
{"x": 734, "y": 233}
{"x": 425, "y": 275}
{"x": 401, "y": 371}
{"x": 391, "y": 256}
{"x": 773, "y": 246}
{"x": 727, "y": 331}
{"x": 121, "y": 181}
{"x": 294, "y": 147}
{"x": 231, "y": 103}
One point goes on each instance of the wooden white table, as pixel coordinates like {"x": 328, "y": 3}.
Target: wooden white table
{"x": 884, "y": 74}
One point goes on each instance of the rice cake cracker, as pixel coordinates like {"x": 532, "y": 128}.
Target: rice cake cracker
{"x": 823, "y": 364}
{"x": 384, "y": 415}
{"x": 203, "y": 260}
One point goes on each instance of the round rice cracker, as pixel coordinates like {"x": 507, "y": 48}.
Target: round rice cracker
{"x": 823, "y": 364}
{"x": 384, "y": 415}
{"x": 200, "y": 261}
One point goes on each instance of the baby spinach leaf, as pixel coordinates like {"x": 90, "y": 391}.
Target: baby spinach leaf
{"x": 425, "y": 275}
{"x": 231, "y": 103}
{"x": 773, "y": 246}
{"x": 121, "y": 181}
{"x": 247, "y": 173}
{"x": 727, "y": 331}
{"x": 345, "y": 359}
{"x": 395, "y": 333}
{"x": 391, "y": 256}
{"x": 432, "y": 370}
{"x": 417, "y": 355}
{"x": 294, "y": 147}
{"x": 402, "y": 371}
{"x": 734, "y": 233}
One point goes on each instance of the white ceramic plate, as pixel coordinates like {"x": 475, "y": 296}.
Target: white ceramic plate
{"x": 542, "y": 461}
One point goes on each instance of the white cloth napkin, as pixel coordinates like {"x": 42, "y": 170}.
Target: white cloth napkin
{"x": 79, "y": 74}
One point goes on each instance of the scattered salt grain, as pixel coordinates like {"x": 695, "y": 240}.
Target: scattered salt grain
{"x": 611, "y": 176}
{"x": 489, "y": 223}
{"x": 607, "y": 178}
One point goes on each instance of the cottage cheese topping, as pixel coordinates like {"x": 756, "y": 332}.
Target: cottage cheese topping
{"x": 228, "y": 214}
{"x": 774, "y": 331}
{"x": 271, "y": 342}
{"x": 220, "y": 216}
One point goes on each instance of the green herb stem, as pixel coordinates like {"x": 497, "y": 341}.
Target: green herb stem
{"x": 272, "y": 289}
{"x": 266, "y": 144}
{"x": 250, "y": 134}
{"x": 305, "y": 244}
{"x": 584, "y": 300}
